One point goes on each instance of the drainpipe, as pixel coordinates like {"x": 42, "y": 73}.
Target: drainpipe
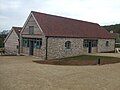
{"x": 46, "y": 48}
{"x": 115, "y": 44}
{"x": 19, "y": 44}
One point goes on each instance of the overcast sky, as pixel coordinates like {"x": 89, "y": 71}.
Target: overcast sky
{"x": 15, "y": 12}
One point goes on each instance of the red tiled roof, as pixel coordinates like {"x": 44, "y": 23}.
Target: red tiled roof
{"x": 115, "y": 35}
{"x": 17, "y": 30}
{"x": 65, "y": 27}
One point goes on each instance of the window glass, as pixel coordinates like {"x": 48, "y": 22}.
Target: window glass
{"x": 67, "y": 44}
{"x": 25, "y": 42}
{"x": 38, "y": 43}
{"x": 17, "y": 47}
{"x": 93, "y": 43}
{"x": 107, "y": 43}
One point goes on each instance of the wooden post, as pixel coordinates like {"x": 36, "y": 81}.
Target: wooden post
{"x": 99, "y": 61}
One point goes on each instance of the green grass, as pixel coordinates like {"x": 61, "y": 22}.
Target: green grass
{"x": 1, "y": 43}
{"x": 90, "y": 57}
{"x": 81, "y": 60}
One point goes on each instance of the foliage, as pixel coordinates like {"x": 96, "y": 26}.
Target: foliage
{"x": 2, "y": 37}
{"x": 115, "y": 28}
{"x": 1, "y": 42}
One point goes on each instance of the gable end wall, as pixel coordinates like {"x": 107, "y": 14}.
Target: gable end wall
{"x": 11, "y": 43}
{"x": 102, "y": 45}
{"x": 37, "y": 34}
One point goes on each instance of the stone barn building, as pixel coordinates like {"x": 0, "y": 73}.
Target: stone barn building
{"x": 11, "y": 42}
{"x": 49, "y": 37}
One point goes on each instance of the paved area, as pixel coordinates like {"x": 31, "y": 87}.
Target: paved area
{"x": 20, "y": 73}
{"x": 107, "y": 54}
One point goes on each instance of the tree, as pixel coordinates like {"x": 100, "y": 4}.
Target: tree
{"x": 3, "y": 34}
{"x": 115, "y": 28}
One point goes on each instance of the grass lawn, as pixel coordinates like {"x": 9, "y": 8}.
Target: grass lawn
{"x": 82, "y": 60}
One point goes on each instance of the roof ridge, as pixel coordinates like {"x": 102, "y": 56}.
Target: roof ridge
{"x": 64, "y": 17}
{"x": 16, "y": 27}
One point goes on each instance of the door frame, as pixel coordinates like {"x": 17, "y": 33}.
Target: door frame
{"x": 90, "y": 47}
{"x": 31, "y": 47}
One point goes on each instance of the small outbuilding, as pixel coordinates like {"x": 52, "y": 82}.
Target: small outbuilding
{"x": 12, "y": 41}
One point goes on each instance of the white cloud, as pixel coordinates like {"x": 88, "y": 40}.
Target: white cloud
{"x": 10, "y": 5}
{"x": 99, "y": 11}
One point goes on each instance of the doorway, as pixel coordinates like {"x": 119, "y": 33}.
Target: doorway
{"x": 31, "y": 48}
{"x": 90, "y": 47}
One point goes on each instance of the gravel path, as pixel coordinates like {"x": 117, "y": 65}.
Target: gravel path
{"x": 20, "y": 73}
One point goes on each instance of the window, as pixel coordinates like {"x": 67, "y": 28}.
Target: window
{"x": 94, "y": 43}
{"x": 17, "y": 47}
{"x": 107, "y": 43}
{"x": 38, "y": 43}
{"x": 87, "y": 42}
{"x": 31, "y": 30}
{"x": 25, "y": 42}
{"x": 67, "y": 44}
